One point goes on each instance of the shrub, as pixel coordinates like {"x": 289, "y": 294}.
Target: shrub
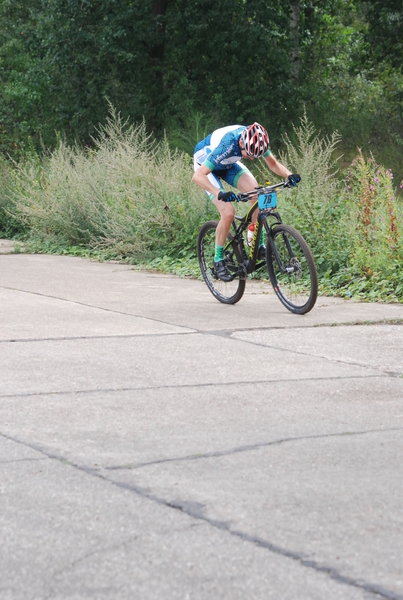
{"x": 375, "y": 220}
{"x": 9, "y": 227}
{"x": 129, "y": 197}
{"x": 316, "y": 207}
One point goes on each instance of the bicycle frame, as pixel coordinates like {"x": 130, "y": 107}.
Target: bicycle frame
{"x": 288, "y": 258}
{"x": 249, "y": 265}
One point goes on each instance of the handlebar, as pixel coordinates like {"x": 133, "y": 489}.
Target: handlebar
{"x": 263, "y": 189}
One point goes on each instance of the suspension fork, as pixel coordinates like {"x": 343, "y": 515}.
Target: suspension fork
{"x": 273, "y": 246}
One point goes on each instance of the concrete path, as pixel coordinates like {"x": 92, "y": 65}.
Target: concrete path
{"x": 155, "y": 444}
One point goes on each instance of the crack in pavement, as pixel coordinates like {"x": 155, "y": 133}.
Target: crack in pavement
{"x": 95, "y": 337}
{"x": 17, "y": 460}
{"x": 194, "y": 511}
{"x": 192, "y": 385}
{"x": 225, "y": 333}
{"x": 383, "y": 321}
{"x": 109, "y": 310}
{"x": 247, "y": 448}
{"x": 229, "y": 335}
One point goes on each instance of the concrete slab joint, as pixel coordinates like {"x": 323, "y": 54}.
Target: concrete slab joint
{"x": 157, "y": 444}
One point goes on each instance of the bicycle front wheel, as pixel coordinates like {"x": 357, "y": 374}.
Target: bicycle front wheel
{"x": 228, "y": 292}
{"x": 292, "y": 269}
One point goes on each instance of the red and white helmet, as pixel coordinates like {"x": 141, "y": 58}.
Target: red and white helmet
{"x": 255, "y": 140}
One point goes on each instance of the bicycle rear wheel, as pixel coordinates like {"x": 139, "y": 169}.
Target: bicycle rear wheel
{"x": 228, "y": 292}
{"x": 292, "y": 269}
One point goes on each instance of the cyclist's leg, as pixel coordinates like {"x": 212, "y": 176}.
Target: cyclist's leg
{"x": 240, "y": 177}
{"x": 213, "y": 179}
{"x": 226, "y": 209}
{"x": 227, "y": 213}
{"x": 244, "y": 181}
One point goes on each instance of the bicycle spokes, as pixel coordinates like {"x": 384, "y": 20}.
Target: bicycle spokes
{"x": 292, "y": 269}
{"x": 227, "y": 292}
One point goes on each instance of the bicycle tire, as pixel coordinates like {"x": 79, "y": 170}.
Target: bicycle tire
{"x": 227, "y": 292}
{"x": 297, "y": 289}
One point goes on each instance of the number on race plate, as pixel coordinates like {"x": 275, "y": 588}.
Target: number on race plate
{"x": 266, "y": 201}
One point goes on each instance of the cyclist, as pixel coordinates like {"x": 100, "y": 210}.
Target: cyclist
{"x": 218, "y": 157}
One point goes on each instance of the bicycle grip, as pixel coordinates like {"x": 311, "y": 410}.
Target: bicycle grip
{"x": 227, "y": 197}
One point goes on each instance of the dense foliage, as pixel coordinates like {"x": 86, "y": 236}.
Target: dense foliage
{"x": 223, "y": 61}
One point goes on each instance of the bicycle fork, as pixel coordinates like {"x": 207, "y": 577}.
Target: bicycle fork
{"x": 283, "y": 269}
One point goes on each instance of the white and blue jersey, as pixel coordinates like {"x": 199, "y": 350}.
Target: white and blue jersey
{"x": 220, "y": 149}
{"x": 220, "y": 152}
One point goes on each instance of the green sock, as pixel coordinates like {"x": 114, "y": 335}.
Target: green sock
{"x": 261, "y": 243}
{"x": 219, "y": 253}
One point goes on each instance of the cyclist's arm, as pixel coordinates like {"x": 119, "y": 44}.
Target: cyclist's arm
{"x": 276, "y": 167}
{"x": 200, "y": 177}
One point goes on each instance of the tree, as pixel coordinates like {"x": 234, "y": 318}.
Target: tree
{"x": 385, "y": 33}
{"x": 294, "y": 37}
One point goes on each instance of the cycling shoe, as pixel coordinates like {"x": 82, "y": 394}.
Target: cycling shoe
{"x": 222, "y": 270}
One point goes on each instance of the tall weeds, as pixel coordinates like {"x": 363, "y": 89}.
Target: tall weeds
{"x": 8, "y": 226}
{"x": 129, "y": 196}
{"x": 316, "y": 207}
{"x": 375, "y": 219}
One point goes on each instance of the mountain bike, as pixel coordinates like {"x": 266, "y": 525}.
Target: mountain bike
{"x": 289, "y": 260}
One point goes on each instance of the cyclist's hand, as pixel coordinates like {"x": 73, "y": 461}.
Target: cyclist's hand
{"x": 227, "y": 197}
{"x": 293, "y": 179}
